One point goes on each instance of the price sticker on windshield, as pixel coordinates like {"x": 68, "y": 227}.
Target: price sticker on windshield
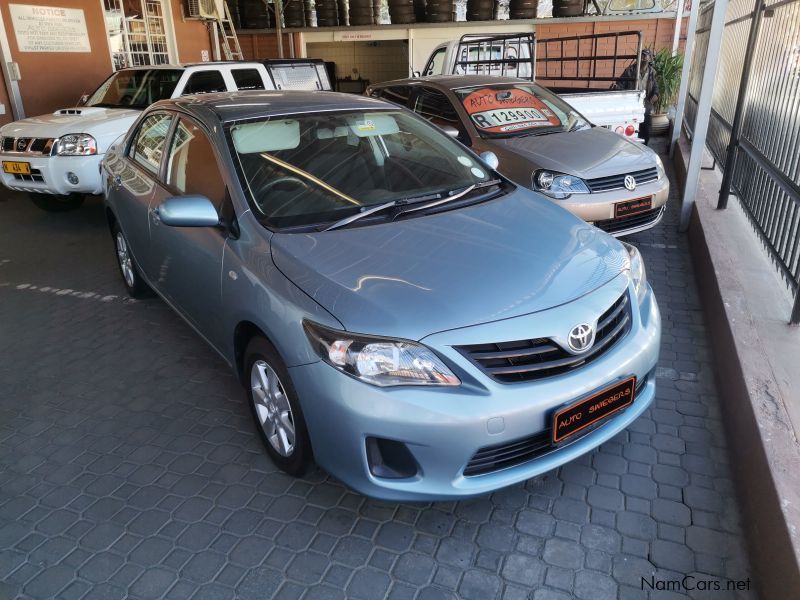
{"x": 508, "y": 110}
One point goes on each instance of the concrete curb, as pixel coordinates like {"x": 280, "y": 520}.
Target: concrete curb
{"x": 763, "y": 444}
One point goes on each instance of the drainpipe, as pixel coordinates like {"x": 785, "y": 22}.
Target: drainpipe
{"x": 736, "y": 127}
{"x": 279, "y": 25}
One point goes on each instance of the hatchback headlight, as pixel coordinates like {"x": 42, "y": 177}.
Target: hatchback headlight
{"x": 76, "y": 144}
{"x": 558, "y": 185}
{"x": 659, "y": 165}
{"x": 377, "y": 360}
{"x": 638, "y": 274}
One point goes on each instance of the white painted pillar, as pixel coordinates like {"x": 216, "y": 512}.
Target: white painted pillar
{"x": 703, "y": 111}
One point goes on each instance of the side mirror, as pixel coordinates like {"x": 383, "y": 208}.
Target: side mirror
{"x": 83, "y": 100}
{"x": 416, "y": 74}
{"x": 448, "y": 129}
{"x": 491, "y": 160}
{"x": 188, "y": 211}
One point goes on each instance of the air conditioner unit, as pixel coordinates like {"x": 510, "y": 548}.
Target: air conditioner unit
{"x": 204, "y": 9}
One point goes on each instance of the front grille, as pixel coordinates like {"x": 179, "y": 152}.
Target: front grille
{"x": 31, "y": 145}
{"x": 615, "y": 182}
{"x": 633, "y": 221}
{"x": 503, "y": 456}
{"x": 528, "y": 360}
{"x": 35, "y": 176}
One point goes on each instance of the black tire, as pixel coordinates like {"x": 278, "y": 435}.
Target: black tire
{"x": 132, "y": 278}
{"x": 298, "y": 460}
{"x": 54, "y": 203}
{"x": 574, "y": 11}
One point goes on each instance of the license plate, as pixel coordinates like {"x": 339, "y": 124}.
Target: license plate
{"x": 19, "y": 168}
{"x": 578, "y": 416}
{"x": 632, "y": 207}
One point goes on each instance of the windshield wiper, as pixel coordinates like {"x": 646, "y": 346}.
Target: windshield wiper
{"x": 365, "y": 213}
{"x": 454, "y": 197}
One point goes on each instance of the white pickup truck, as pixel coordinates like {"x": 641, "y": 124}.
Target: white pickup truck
{"x": 573, "y": 67}
{"x": 56, "y": 157}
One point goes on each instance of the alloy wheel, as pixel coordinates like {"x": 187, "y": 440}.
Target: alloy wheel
{"x": 273, "y": 408}
{"x": 125, "y": 262}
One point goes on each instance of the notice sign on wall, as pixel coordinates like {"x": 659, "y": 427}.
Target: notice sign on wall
{"x": 49, "y": 28}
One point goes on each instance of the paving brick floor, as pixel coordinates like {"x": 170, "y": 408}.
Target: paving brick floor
{"x": 129, "y": 466}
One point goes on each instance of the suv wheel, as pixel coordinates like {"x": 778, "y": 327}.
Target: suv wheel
{"x": 275, "y": 408}
{"x": 55, "y": 203}
{"x": 134, "y": 283}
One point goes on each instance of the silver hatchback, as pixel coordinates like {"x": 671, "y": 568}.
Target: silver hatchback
{"x": 397, "y": 311}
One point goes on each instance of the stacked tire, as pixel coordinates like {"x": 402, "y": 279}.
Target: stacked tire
{"x": 253, "y": 14}
{"x": 419, "y": 11}
{"x": 308, "y": 9}
{"x": 524, "y": 9}
{"x": 344, "y": 16}
{"x": 294, "y": 14}
{"x": 440, "y": 11}
{"x": 327, "y": 13}
{"x": 480, "y": 10}
{"x": 568, "y": 8}
{"x": 361, "y": 12}
{"x": 402, "y": 11}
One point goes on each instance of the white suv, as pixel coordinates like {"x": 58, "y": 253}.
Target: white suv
{"x": 56, "y": 157}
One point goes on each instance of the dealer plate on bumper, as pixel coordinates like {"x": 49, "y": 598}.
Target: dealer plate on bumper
{"x": 16, "y": 168}
{"x": 571, "y": 419}
{"x": 632, "y": 207}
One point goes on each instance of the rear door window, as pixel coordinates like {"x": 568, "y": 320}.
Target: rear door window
{"x": 398, "y": 94}
{"x": 247, "y": 79}
{"x": 205, "y": 82}
{"x": 435, "y": 106}
{"x": 148, "y": 144}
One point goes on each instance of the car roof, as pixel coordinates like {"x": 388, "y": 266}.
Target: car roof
{"x": 452, "y": 82}
{"x": 193, "y": 64}
{"x": 238, "y": 106}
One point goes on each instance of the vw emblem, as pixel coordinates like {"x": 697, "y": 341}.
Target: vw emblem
{"x": 630, "y": 182}
{"x": 21, "y": 144}
{"x": 581, "y": 338}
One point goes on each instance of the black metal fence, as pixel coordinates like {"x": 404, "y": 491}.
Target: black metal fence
{"x": 754, "y": 127}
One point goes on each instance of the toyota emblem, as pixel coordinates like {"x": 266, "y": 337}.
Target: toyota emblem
{"x": 22, "y": 143}
{"x": 630, "y": 182}
{"x": 581, "y": 338}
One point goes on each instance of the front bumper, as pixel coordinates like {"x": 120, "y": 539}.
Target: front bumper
{"x": 444, "y": 427}
{"x": 598, "y": 207}
{"x": 49, "y": 174}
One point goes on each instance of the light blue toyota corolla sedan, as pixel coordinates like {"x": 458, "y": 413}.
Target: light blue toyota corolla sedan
{"x": 398, "y": 311}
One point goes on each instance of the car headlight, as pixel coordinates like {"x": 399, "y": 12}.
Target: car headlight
{"x": 638, "y": 273}
{"x": 558, "y": 185}
{"x": 377, "y": 360}
{"x": 659, "y": 165}
{"x": 76, "y": 144}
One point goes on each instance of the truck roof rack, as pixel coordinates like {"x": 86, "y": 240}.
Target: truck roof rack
{"x": 504, "y": 54}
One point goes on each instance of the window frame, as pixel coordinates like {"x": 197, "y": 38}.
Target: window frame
{"x": 131, "y": 158}
{"x": 432, "y": 61}
{"x": 163, "y": 179}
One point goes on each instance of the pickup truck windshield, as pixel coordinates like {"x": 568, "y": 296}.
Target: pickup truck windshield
{"x": 510, "y": 110}
{"x": 135, "y": 88}
{"x": 306, "y": 170}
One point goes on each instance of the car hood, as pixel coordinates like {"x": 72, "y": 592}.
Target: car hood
{"x": 411, "y": 278}
{"x": 589, "y": 153}
{"x": 105, "y": 124}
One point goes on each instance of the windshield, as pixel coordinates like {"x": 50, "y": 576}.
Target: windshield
{"x": 509, "y": 110}
{"x": 135, "y": 88}
{"x": 312, "y": 169}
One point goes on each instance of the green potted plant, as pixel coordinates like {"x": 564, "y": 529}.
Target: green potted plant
{"x": 668, "y": 76}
